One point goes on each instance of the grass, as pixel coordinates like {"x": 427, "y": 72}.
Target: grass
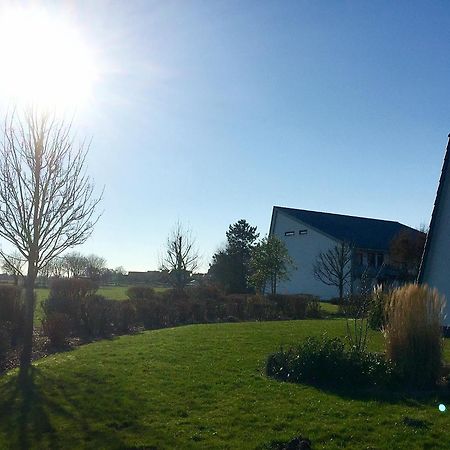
{"x": 203, "y": 386}
{"x": 328, "y": 308}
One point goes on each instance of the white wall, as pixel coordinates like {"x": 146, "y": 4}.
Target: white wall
{"x": 304, "y": 250}
{"x": 437, "y": 265}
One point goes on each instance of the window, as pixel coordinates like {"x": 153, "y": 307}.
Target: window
{"x": 289, "y": 233}
{"x": 303, "y": 232}
{"x": 359, "y": 259}
{"x": 371, "y": 259}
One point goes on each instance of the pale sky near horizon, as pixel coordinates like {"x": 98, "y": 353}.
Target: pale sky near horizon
{"x": 208, "y": 112}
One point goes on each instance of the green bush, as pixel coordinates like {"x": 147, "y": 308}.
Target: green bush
{"x": 326, "y": 362}
{"x": 413, "y": 334}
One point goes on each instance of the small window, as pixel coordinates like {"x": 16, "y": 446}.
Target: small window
{"x": 303, "y": 232}
{"x": 289, "y": 233}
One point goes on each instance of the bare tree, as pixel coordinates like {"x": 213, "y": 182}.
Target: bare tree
{"x": 334, "y": 267}
{"x": 95, "y": 265}
{"x": 181, "y": 257}
{"x": 13, "y": 265}
{"x": 54, "y": 268}
{"x": 47, "y": 204}
{"x": 74, "y": 264}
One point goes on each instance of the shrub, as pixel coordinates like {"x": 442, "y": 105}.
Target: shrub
{"x": 291, "y": 306}
{"x": 151, "y": 313}
{"x": 413, "y": 334}
{"x": 66, "y": 297}
{"x": 377, "y": 308}
{"x": 56, "y": 326}
{"x": 259, "y": 307}
{"x": 233, "y": 305}
{"x": 97, "y": 315}
{"x": 72, "y": 288}
{"x": 12, "y": 312}
{"x": 313, "y": 309}
{"x": 326, "y": 362}
{"x": 5, "y": 343}
{"x": 205, "y": 292}
{"x": 124, "y": 316}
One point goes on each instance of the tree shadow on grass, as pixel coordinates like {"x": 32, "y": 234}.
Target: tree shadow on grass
{"x": 24, "y": 411}
{"x": 397, "y": 395}
{"x": 392, "y": 395}
{"x": 27, "y": 411}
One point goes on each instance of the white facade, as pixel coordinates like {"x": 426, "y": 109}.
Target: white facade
{"x": 435, "y": 269}
{"x": 304, "y": 244}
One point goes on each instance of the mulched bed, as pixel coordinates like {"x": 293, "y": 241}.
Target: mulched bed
{"x": 41, "y": 349}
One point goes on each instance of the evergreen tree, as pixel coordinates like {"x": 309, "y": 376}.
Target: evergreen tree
{"x": 230, "y": 266}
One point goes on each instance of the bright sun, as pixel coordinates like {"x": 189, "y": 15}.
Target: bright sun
{"x": 44, "y": 61}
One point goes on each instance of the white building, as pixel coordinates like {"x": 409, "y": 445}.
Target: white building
{"x": 435, "y": 268}
{"x": 308, "y": 233}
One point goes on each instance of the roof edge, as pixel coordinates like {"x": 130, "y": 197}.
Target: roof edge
{"x": 442, "y": 180}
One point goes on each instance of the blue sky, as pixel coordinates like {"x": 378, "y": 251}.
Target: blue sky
{"x": 212, "y": 111}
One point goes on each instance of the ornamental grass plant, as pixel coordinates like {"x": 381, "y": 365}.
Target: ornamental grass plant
{"x": 413, "y": 334}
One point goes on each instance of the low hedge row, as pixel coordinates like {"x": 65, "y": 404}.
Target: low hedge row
{"x": 74, "y": 309}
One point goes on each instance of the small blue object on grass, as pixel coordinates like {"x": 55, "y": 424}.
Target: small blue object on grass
{"x": 442, "y": 407}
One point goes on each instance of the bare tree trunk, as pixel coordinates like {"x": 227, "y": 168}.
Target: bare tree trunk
{"x": 25, "y": 357}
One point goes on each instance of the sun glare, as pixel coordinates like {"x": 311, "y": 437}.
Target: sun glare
{"x": 44, "y": 61}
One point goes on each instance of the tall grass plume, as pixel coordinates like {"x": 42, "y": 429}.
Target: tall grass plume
{"x": 413, "y": 333}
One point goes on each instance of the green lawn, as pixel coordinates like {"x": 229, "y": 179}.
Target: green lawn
{"x": 202, "y": 386}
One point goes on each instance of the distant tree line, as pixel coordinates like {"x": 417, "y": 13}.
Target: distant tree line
{"x": 70, "y": 265}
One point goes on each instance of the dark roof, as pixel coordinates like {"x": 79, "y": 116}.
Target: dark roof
{"x": 437, "y": 202}
{"x": 361, "y": 232}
